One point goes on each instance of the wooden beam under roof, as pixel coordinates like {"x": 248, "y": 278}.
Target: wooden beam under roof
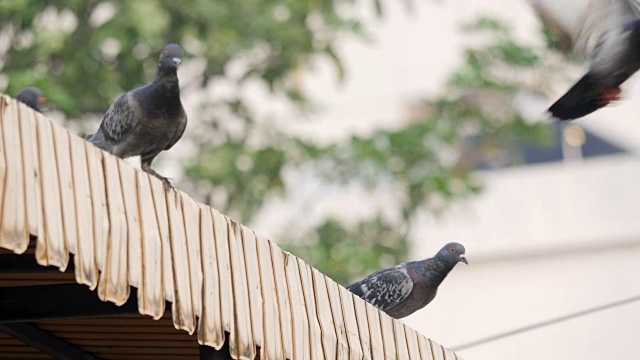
{"x": 45, "y": 342}
{"x": 13, "y": 263}
{"x": 32, "y": 303}
{"x": 209, "y": 353}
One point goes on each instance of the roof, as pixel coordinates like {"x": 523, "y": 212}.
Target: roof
{"x": 123, "y": 235}
{"x": 114, "y": 333}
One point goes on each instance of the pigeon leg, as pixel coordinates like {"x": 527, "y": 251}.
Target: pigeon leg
{"x": 146, "y": 167}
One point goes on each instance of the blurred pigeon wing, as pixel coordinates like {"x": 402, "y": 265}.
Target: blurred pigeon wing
{"x": 387, "y": 288}
{"x": 119, "y": 120}
{"x": 600, "y": 36}
{"x": 584, "y": 25}
{"x": 561, "y": 18}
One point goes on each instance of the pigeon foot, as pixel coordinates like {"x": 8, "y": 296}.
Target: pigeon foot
{"x": 165, "y": 180}
{"x": 167, "y": 184}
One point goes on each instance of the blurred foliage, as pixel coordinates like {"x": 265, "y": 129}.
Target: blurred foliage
{"x": 246, "y": 174}
{"x": 431, "y": 160}
{"x": 56, "y": 46}
{"x": 344, "y": 251}
{"x": 86, "y": 53}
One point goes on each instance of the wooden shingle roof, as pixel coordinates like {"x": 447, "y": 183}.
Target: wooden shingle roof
{"x": 122, "y": 230}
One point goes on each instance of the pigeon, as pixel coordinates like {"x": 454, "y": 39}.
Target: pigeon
{"x": 145, "y": 121}
{"x": 32, "y": 97}
{"x": 608, "y": 34}
{"x": 403, "y": 289}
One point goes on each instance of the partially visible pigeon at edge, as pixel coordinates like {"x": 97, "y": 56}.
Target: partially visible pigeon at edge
{"x": 609, "y": 36}
{"x": 32, "y": 97}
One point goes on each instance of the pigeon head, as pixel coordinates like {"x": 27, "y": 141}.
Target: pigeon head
{"x": 171, "y": 56}
{"x": 452, "y": 253}
{"x": 32, "y": 97}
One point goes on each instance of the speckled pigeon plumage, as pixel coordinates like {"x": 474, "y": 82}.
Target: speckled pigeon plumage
{"x": 609, "y": 35}
{"x": 403, "y": 289}
{"x": 145, "y": 121}
{"x": 32, "y": 97}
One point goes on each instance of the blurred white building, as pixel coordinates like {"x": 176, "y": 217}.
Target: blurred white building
{"x": 543, "y": 240}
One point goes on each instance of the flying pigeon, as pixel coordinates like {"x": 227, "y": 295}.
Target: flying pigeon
{"x": 608, "y": 34}
{"x": 403, "y": 289}
{"x": 32, "y": 97}
{"x": 145, "y": 121}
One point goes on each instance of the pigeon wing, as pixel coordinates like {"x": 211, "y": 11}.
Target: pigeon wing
{"x": 601, "y": 36}
{"x": 119, "y": 120}
{"x": 604, "y": 38}
{"x": 182, "y": 125}
{"x": 587, "y": 26}
{"x": 387, "y": 288}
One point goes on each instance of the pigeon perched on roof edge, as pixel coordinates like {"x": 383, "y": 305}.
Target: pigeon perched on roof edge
{"x": 32, "y": 97}
{"x": 403, "y": 289}
{"x": 145, "y": 121}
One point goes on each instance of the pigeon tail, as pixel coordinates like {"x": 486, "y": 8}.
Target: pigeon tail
{"x": 98, "y": 140}
{"x": 585, "y": 97}
{"x": 356, "y": 288}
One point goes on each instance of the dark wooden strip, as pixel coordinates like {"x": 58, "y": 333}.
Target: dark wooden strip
{"x": 209, "y": 353}
{"x": 16, "y": 356}
{"x": 26, "y": 263}
{"x": 108, "y": 328}
{"x": 147, "y": 357}
{"x": 7, "y": 284}
{"x": 119, "y": 321}
{"x": 140, "y": 350}
{"x": 189, "y": 343}
{"x": 32, "y": 303}
{"x": 85, "y": 335}
{"x": 17, "y": 348}
{"x": 45, "y": 342}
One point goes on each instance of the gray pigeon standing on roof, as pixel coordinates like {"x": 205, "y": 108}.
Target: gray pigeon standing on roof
{"x": 32, "y": 97}
{"x": 403, "y": 289}
{"x": 145, "y": 121}
{"x": 608, "y": 34}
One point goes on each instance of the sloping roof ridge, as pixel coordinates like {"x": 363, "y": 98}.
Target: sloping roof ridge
{"x": 220, "y": 276}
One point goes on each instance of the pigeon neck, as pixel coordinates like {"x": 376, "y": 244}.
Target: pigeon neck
{"x": 167, "y": 81}
{"x": 166, "y": 71}
{"x": 436, "y": 269}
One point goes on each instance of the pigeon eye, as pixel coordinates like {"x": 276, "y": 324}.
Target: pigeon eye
{"x": 452, "y": 250}
{"x": 166, "y": 53}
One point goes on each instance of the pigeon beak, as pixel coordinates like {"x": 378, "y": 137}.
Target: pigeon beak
{"x": 42, "y": 99}
{"x": 177, "y": 61}
{"x": 463, "y": 258}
